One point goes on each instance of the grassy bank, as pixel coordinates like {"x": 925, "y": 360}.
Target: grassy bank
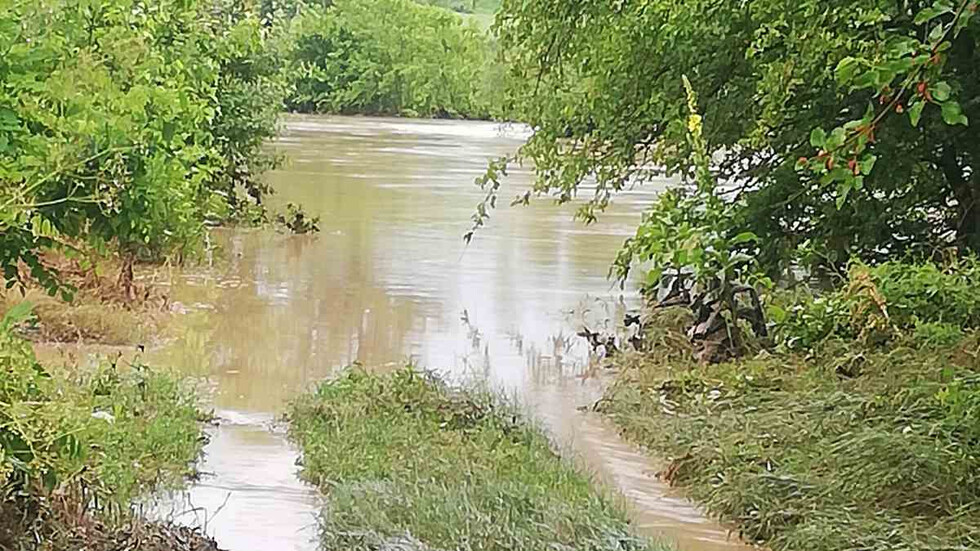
{"x": 843, "y": 445}
{"x": 77, "y": 446}
{"x": 404, "y": 460}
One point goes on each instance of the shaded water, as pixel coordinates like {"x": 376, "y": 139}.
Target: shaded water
{"x": 389, "y": 280}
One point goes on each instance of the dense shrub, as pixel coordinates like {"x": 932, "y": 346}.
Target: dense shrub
{"x": 96, "y": 438}
{"x": 392, "y": 57}
{"x": 248, "y": 100}
{"x": 928, "y": 302}
{"x": 126, "y": 124}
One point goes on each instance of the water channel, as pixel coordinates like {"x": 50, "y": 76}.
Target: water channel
{"x": 388, "y": 281}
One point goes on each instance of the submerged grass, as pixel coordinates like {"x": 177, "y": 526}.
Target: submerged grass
{"x": 85, "y": 320}
{"x": 407, "y": 463}
{"x": 109, "y": 304}
{"x": 842, "y": 448}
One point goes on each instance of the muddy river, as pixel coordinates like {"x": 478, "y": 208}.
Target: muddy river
{"x": 389, "y": 281}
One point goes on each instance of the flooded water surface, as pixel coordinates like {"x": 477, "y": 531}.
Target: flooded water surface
{"x": 388, "y": 281}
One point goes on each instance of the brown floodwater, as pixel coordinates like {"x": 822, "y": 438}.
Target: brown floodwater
{"x": 388, "y": 281}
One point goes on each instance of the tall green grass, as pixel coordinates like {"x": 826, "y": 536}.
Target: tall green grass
{"x": 858, "y": 429}
{"x": 404, "y": 460}
{"x": 84, "y": 443}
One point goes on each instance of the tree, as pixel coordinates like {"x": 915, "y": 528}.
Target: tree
{"x": 605, "y": 100}
{"x": 125, "y": 125}
{"x": 346, "y": 59}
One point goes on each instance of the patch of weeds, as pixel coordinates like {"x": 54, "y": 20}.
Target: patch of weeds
{"x": 844, "y": 446}
{"x": 297, "y": 221}
{"x": 92, "y": 534}
{"x": 408, "y": 463}
{"x": 925, "y": 304}
{"x": 83, "y": 443}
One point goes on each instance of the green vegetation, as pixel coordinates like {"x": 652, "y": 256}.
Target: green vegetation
{"x": 811, "y": 348}
{"x": 405, "y": 461}
{"x": 391, "y": 57}
{"x": 841, "y": 128}
{"x": 811, "y": 366}
{"x": 79, "y": 444}
{"x": 856, "y": 429}
{"x": 933, "y": 304}
{"x": 486, "y": 7}
{"x": 126, "y": 126}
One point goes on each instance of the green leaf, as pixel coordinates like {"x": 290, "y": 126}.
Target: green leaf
{"x": 654, "y": 276}
{"x": 915, "y": 112}
{"x": 867, "y": 79}
{"x": 842, "y": 191}
{"x": 941, "y": 91}
{"x": 745, "y": 237}
{"x": 19, "y": 313}
{"x": 928, "y": 14}
{"x": 818, "y": 137}
{"x": 867, "y": 164}
{"x": 837, "y": 138}
{"x": 953, "y": 114}
{"x": 846, "y": 69}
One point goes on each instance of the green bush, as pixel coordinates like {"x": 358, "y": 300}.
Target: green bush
{"x": 99, "y": 437}
{"x": 248, "y": 100}
{"x": 391, "y": 57}
{"x": 929, "y": 303}
{"x": 127, "y": 124}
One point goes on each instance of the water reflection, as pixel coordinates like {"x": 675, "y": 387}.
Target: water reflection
{"x": 388, "y": 281}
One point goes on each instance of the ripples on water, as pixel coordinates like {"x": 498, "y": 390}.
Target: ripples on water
{"x": 389, "y": 280}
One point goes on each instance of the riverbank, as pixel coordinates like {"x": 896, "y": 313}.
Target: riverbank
{"x": 78, "y": 445}
{"x": 406, "y": 462}
{"x": 841, "y": 446}
{"x": 105, "y": 302}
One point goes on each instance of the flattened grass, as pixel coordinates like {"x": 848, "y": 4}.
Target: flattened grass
{"x": 407, "y": 463}
{"x": 846, "y": 448}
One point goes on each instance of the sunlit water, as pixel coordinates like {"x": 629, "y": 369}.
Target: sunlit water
{"x": 388, "y": 281}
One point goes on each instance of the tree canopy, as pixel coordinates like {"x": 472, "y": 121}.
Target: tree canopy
{"x": 127, "y": 124}
{"x": 345, "y": 59}
{"x": 602, "y": 90}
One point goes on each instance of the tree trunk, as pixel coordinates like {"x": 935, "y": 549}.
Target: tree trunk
{"x": 966, "y": 190}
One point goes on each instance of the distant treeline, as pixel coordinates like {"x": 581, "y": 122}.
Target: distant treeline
{"x": 391, "y": 57}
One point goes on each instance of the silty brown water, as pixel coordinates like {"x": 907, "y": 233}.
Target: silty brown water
{"x": 389, "y": 280}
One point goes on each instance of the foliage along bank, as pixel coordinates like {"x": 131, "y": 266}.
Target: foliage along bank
{"x": 128, "y": 126}
{"x": 811, "y": 364}
{"x": 78, "y": 445}
{"x": 855, "y": 428}
{"x": 840, "y": 129}
{"x": 391, "y": 57}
